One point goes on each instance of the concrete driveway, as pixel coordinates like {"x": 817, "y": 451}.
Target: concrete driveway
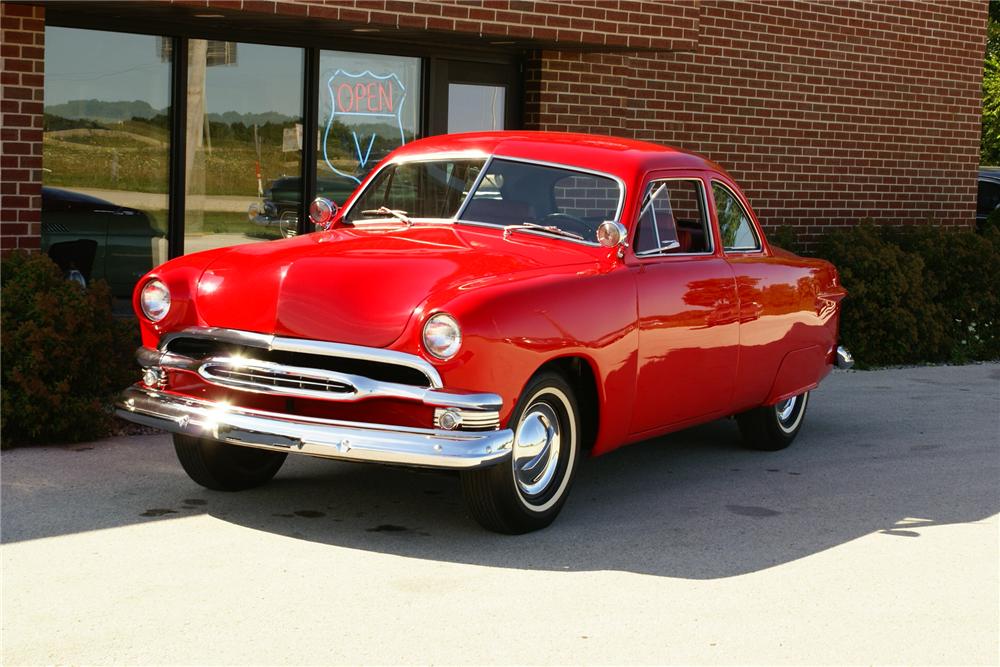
{"x": 874, "y": 539}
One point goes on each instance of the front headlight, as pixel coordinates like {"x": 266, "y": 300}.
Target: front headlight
{"x": 155, "y": 300}
{"x": 442, "y": 336}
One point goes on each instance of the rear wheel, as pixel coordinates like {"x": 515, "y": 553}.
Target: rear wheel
{"x": 773, "y": 427}
{"x": 526, "y": 492}
{"x": 221, "y": 467}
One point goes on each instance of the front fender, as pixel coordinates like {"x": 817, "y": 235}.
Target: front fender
{"x": 515, "y": 325}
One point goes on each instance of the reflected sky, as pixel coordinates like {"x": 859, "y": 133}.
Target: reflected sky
{"x": 124, "y": 67}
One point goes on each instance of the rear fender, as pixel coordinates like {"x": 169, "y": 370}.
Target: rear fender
{"x": 800, "y": 371}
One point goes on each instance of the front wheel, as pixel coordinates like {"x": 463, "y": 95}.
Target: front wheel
{"x": 773, "y": 427}
{"x": 526, "y": 492}
{"x": 221, "y": 467}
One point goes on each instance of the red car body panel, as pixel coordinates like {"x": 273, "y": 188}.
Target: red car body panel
{"x": 670, "y": 341}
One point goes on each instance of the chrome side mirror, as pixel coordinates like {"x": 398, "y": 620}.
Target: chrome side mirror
{"x": 322, "y": 211}
{"x": 612, "y": 234}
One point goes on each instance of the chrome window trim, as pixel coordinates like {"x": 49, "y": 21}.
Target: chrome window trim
{"x": 753, "y": 225}
{"x": 489, "y": 158}
{"x": 472, "y": 190}
{"x": 302, "y": 345}
{"x": 708, "y": 223}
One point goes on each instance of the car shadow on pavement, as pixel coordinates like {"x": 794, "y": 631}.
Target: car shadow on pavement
{"x": 694, "y": 504}
{"x": 690, "y": 505}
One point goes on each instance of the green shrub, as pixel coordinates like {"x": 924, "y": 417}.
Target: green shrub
{"x": 64, "y": 354}
{"x": 785, "y": 237}
{"x": 917, "y": 294}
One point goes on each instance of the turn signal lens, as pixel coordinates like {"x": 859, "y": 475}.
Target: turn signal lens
{"x": 155, "y": 300}
{"x": 442, "y": 336}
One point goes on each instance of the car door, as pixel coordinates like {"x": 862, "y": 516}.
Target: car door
{"x": 777, "y": 300}
{"x": 687, "y": 307}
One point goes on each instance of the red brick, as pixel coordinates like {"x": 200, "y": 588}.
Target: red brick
{"x": 16, "y": 9}
{"x": 29, "y": 242}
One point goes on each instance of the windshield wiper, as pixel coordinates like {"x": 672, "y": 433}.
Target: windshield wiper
{"x": 393, "y": 212}
{"x": 551, "y": 229}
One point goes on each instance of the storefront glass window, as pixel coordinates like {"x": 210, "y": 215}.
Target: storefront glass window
{"x": 244, "y": 143}
{"x": 475, "y": 108}
{"x": 368, "y": 105}
{"x": 105, "y": 155}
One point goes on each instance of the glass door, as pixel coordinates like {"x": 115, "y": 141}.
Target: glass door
{"x": 243, "y": 143}
{"x": 473, "y": 97}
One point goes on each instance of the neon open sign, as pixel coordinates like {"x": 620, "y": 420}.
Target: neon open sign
{"x": 363, "y": 96}
{"x": 375, "y": 97}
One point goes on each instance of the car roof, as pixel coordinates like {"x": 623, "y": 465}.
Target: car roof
{"x": 51, "y": 193}
{"x": 989, "y": 173}
{"x": 621, "y": 157}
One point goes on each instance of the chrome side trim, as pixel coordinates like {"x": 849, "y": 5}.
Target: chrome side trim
{"x": 272, "y": 342}
{"x": 315, "y": 437}
{"x": 845, "y": 359}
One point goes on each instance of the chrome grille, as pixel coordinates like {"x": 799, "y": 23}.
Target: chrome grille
{"x": 278, "y": 380}
{"x": 270, "y": 378}
{"x": 328, "y": 357}
{"x": 268, "y": 364}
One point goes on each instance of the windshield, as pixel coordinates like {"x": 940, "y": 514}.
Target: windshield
{"x": 431, "y": 189}
{"x": 540, "y": 196}
{"x": 521, "y": 196}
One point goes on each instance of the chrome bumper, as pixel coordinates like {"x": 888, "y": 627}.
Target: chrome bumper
{"x": 327, "y": 438}
{"x": 844, "y": 358}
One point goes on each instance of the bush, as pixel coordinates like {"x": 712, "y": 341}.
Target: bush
{"x": 64, "y": 354}
{"x": 785, "y": 237}
{"x": 918, "y": 294}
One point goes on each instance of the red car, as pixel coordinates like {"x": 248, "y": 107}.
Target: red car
{"x": 499, "y": 304}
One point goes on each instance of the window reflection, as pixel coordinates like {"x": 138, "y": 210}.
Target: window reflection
{"x": 106, "y": 147}
{"x": 475, "y": 108}
{"x": 368, "y": 106}
{"x": 244, "y": 143}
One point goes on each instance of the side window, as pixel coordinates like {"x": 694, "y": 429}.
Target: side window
{"x": 673, "y": 219}
{"x": 734, "y": 222}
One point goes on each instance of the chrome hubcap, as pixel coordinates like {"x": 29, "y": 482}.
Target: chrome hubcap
{"x": 536, "y": 449}
{"x": 785, "y": 409}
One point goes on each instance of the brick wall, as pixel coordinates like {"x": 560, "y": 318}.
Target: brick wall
{"x": 827, "y": 113}
{"x": 632, "y": 24}
{"x": 22, "y": 48}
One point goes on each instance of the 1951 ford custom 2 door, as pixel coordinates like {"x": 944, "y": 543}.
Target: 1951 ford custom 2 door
{"x": 499, "y": 304}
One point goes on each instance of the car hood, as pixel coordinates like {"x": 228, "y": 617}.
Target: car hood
{"x": 361, "y": 286}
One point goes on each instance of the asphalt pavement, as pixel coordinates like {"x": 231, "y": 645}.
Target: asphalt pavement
{"x": 874, "y": 539}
